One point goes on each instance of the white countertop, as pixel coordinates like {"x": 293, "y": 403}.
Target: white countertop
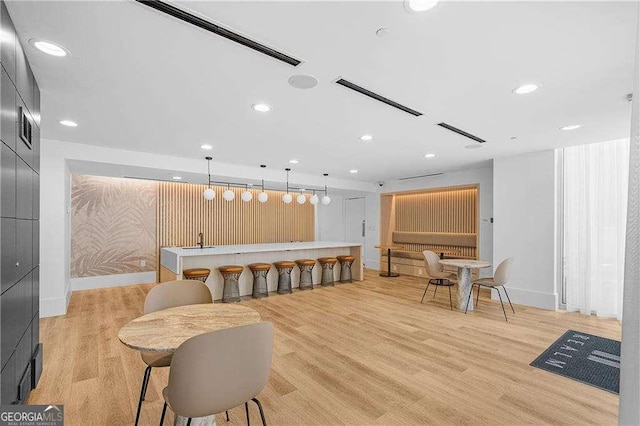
{"x": 256, "y": 248}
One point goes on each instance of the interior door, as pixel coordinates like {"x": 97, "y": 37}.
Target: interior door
{"x": 355, "y": 220}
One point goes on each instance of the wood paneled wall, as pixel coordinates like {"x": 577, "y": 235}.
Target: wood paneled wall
{"x": 183, "y": 213}
{"x": 446, "y": 210}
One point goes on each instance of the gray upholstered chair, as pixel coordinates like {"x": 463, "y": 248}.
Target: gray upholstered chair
{"x": 437, "y": 276}
{"x": 217, "y": 371}
{"x": 168, "y": 295}
{"x": 499, "y": 279}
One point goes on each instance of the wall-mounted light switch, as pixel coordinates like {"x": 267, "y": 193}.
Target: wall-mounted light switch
{"x": 143, "y": 263}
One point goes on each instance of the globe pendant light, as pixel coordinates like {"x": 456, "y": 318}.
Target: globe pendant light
{"x": 209, "y": 194}
{"x": 301, "y": 199}
{"x": 287, "y": 198}
{"x": 263, "y": 196}
{"x": 314, "y": 199}
{"x": 326, "y": 200}
{"x": 246, "y": 196}
{"x": 228, "y": 194}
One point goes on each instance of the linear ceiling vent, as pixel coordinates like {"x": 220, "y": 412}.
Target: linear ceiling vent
{"x": 461, "y": 132}
{"x": 369, "y": 93}
{"x": 421, "y": 176}
{"x": 155, "y": 179}
{"x": 217, "y": 29}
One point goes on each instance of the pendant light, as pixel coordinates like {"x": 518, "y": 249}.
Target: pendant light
{"x": 314, "y": 198}
{"x": 287, "y": 198}
{"x": 301, "y": 199}
{"x": 246, "y": 196}
{"x": 228, "y": 194}
{"x": 209, "y": 193}
{"x": 263, "y": 196}
{"x": 326, "y": 200}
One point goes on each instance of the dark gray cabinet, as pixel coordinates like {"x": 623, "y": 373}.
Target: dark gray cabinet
{"x": 8, "y": 270}
{"x": 7, "y": 181}
{"x": 8, "y": 45}
{"x": 9, "y": 111}
{"x": 9, "y": 391}
{"x": 24, "y": 247}
{"x": 20, "y": 350}
{"x": 24, "y": 190}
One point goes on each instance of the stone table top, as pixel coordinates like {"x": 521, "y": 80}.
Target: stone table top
{"x": 163, "y": 331}
{"x": 465, "y": 263}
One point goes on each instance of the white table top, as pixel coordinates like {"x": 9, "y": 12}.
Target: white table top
{"x": 257, "y": 248}
{"x": 465, "y": 263}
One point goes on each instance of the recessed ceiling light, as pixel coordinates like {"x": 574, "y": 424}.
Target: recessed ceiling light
{"x": 570, "y": 127}
{"x": 293, "y": 161}
{"x": 206, "y": 146}
{"x": 473, "y": 146}
{"x": 68, "y": 123}
{"x": 429, "y": 155}
{"x": 177, "y": 178}
{"x": 353, "y": 171}
{"x": 420, "y": 5}
{"x": 525, "y": 88}
{"x": 49, "y": 47}
{"x": 366, "y": 138}
{"x": 261, "y": 107}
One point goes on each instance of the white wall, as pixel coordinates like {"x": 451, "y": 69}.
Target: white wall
{"x": 330, "y": 220}
{"x": 481, "y": 176}
{"x": 525, "y": 211}
{"x": 56, "y": 156}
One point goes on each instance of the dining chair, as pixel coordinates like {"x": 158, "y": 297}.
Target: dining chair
{"x": 499, "y": 279}
{"x": 437, "y": 276}
{"x": 168, "y": 295}
{"x": 218, "y": 371}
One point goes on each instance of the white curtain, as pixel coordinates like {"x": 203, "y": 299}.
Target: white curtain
{"x": 595, "y": 211}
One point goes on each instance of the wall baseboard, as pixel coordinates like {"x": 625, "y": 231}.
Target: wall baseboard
{"x": 53, "y": 307}
{"x": 104, "y": 281}
{"x": 530, "y": 298}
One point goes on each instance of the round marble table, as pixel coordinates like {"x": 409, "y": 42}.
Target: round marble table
{"x": 464, "y": 277}
{"x": 163, "y": 331}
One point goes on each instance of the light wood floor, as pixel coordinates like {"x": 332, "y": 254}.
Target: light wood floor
{"x": 366, "y": 353}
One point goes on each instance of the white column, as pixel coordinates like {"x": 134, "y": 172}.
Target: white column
{"x": 629, "y": 410}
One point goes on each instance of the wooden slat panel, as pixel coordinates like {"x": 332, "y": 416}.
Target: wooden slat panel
{"x": 449, "y": 210}
{"x": 183, "y": 213}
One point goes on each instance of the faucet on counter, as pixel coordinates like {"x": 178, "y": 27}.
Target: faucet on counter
{"x": 201, "y": 240}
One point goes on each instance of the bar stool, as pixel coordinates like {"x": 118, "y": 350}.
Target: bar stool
{"x": 327, "y": 264}
{"x": 231, "y": 273}
{"x": 306, "y": 279}
{"x": 284, "y": 275}
{"x": 200, "y": 274}
{"x": 345, "y": 268}
{"x": 260, "y": 271}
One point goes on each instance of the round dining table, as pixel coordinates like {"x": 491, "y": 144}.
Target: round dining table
{"x": 164, "y": 331}
{"x": 464, "y": 278}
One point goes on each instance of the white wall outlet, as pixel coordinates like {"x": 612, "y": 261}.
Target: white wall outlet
{"x": 395, "y": 268}
{"x": 419, "y": 271}
{"x": 143, "y": 263}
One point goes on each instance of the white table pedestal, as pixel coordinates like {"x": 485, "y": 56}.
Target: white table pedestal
{"x": 464, "y": 278}
{"x": 464, "y": 287}
{"x": 197, "y": 421}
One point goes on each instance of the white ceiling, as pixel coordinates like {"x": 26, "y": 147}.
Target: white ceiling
{"x": 143, "y": 81}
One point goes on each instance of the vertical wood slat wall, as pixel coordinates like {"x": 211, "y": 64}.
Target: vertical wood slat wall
{"x": 451, "y": 210}
{"x": 183, "y": 212}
